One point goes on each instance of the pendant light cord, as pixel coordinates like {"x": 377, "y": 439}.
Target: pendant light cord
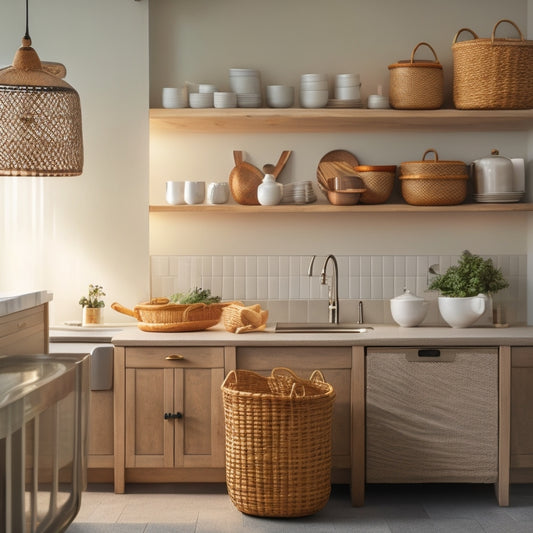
{"x": 27, "y": 34}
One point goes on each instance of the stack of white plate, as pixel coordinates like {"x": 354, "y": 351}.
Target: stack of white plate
{"x": 313, "y": 90}
{"x": 498, "y": 197}
{"x": 246, "y": 83}
{"x": 225, "y": 100}
{"x": 201, "y": 100}
{"x": 347, "y": 91}
{"x": 301, "y": 192}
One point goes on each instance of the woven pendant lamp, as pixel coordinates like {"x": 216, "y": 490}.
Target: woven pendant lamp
{"x": 40, "y": 118}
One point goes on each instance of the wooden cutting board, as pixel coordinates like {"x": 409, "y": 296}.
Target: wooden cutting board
{"x": 245, "y": 178}
{"x": 335, "y": 163}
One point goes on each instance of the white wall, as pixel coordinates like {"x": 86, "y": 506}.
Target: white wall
{"x": 60, "y": 234}
{"x": 198, "y": 40}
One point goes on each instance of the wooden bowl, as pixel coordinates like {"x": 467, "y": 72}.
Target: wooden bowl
{"x": 345, "y": 197}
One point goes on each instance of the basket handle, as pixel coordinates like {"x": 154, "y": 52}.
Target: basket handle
{"x": 237, "y": 157}
{"x": 230, "y": 378}
{"x": 297, "y": 390}
{"x": 474, "y": 34}
{"x": 429, "y": 151}
{"x": 190, "y": 308}
{"x": 317, "y": 377}
{"x": 121, "y": 309}
{"x": 510, "y": 22}
{"x": 416, "y": 48}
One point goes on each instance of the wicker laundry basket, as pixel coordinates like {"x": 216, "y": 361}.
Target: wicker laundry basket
{"x": 278, "y": 442}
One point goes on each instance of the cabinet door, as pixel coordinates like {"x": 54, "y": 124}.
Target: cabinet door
{"x": 100, "y": 447}
{"x": 199, "y": 434}
{"x": 149, "y": 437}
{"x": 334, "y": 362}
{"x": 25, "y": 332}
{"x": 521, "y": 419}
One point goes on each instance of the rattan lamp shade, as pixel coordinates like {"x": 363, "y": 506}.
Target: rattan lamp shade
{"x": 40, "y": 119}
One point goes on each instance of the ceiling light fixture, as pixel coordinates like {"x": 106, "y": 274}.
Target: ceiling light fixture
{"x": 40, "y": 117}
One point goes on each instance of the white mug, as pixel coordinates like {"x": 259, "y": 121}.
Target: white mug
{"x": 175, "y": 192}
{"x": 218, "y": 193}
{"x": 194, "y": 192}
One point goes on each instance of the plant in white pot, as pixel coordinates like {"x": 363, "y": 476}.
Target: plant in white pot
{"x": 93, "y": 305}
{"x": 466, "y": 288}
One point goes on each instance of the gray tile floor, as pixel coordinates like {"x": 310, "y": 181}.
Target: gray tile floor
{"x": 206, "y": 508}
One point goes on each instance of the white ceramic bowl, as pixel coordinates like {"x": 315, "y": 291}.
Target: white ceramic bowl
{"x": 201, "y": 100}
{"x": 279, "y": 96}
{"x": 313, "y": 99}
{"x": 347, "y": 93}
{"x": 347, "y": 80}
{"x": 314, "y": 85}
{"x": 462, "y": 312}
{"x": 224, "y": 100}
{"x": 408, "y": 314}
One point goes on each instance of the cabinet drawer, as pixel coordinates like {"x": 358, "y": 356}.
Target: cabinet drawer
{"x": 175, "y": 357}
{"x": 24, "y": 332}
{"x": 294, "y": 357}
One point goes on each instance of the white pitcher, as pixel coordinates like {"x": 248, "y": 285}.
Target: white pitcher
{"x": 462, "y": 312}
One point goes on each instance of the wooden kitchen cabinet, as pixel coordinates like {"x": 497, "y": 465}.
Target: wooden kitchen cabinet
{"x": 521, "y": 415}
{"x": 25, "y": 332}
{"x": 335, "y": 363}
{"x": 100, "y": 459}
{"x": 169, "y": 416}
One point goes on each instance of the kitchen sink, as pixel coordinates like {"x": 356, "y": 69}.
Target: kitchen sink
{"x": 320, "y": 327}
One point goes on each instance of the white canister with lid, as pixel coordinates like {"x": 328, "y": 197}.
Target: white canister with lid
{"x": 408, "y": 310}
{"x": 269, "y": 192}
{"x": 494, "y": 173}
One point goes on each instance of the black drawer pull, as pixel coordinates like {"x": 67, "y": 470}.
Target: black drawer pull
{"x": 173, "y": 415}
{"x": 429, "y": 353}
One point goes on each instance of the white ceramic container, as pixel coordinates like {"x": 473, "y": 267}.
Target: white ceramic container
{"x": 462, "y": 312}
{"x": 313, "y": 99}
{"x": 269, "y": 192}
{"x": 408, "y": 310}
{"x": 218, "y": 193}
{"x": 175, "y": 192}
{"x": 279, "y": 96}
{"x": 194, "y": 192}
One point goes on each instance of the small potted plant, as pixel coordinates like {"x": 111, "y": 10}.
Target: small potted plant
{"x": 466, "y": 288}
{"x": 92, "y": 304}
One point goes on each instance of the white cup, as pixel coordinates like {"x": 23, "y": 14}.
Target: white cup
{"x": 173, "y": 97}
{"x": 218, "y": 193}
{"x": 175, "y": 192}
{"x": 207, "y": 88}
{"x": 279, "y": 95}
{"x": 194, "y": 192}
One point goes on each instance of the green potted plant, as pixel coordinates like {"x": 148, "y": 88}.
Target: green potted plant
{"x": 466, "y": 289}
{"x": 92, "y": 304}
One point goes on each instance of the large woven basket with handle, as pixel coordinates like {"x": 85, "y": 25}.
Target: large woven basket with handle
{"x": 278, "y": 442}
{"x": 493, "y": 73}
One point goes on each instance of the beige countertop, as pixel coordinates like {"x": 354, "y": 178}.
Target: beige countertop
{"x": 380, "y": 335}
{"x": 13, "y": 303}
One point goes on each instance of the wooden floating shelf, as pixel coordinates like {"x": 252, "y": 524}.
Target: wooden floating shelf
{"x": 296, "y": 120}
{"x": 331, "y": 209}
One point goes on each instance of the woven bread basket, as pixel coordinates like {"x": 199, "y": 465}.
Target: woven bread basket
{"x": 416, "y": 84}
{"x": 493, "y": 73}
{"x": 378, "y": 181}
{"x": 160, "y": 315}
{"x": 278, "y": 442}
{"x": 434, "y": 168}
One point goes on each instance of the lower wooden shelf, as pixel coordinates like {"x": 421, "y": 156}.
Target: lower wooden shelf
{"x": 328, "y": 208}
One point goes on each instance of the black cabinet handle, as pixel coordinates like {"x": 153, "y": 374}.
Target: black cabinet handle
{"x": 428, "y": 353}
{"x": 173, "y": 415}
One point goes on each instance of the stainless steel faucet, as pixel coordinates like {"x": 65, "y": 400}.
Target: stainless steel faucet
{"x": 333, "y": 289}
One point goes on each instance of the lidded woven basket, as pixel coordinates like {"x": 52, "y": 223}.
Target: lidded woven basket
{"x": 278, "y": 442}
{"x": 416, "y": 84}
{"x": 433, "y": 182}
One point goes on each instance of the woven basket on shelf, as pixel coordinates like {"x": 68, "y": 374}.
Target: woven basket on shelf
{"x": 433, "y": 168}
{"x": 418, "y": 190}
{"x": 416, "y": 84}
{"x": 378, "y": 181}
{"x": 278, "y": 442}
{"x": 493, "y": 73}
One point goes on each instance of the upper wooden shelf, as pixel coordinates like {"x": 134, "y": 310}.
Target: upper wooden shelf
{"x": 328, "y": 208}
{"x": 296, "y": 120}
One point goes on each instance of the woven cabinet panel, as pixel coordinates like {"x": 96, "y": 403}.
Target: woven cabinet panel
{"x": 432, "y": 421}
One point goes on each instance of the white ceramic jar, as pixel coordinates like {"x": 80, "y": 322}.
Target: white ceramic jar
{"x": 269, "y": 192}
{"x": 408, "y": 310}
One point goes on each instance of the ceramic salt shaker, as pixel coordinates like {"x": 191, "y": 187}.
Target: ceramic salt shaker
{"x": 269, "y": 192}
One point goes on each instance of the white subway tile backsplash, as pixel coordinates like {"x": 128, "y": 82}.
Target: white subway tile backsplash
{"x": 284, "y": 278}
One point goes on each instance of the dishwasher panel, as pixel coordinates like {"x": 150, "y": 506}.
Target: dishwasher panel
{"x": 431, "y": 415}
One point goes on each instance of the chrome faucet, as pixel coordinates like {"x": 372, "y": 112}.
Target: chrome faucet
{"x": 333, "y": 289}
